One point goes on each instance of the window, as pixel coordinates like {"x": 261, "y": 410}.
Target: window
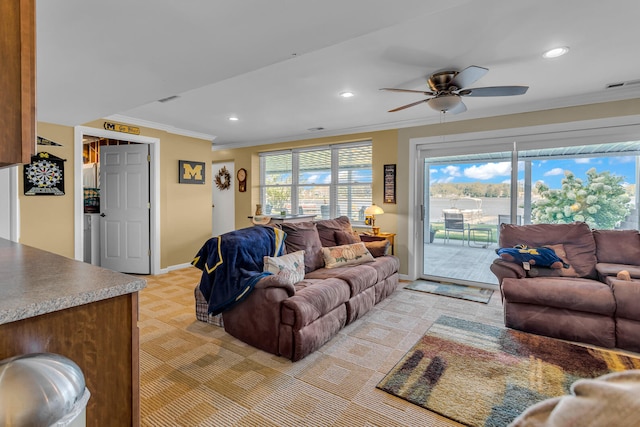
{"x": 327, "y": 181}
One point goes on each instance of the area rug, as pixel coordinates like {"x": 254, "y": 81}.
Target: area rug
{"x": 482, "y": 375}
{"x": 470, "y": 293}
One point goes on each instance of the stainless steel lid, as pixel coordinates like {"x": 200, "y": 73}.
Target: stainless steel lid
{"x": 38, "y": 389}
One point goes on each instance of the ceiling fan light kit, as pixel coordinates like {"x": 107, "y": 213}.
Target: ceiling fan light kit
{"x": 444, "y": 103}
{"x": 555, "y": 52}
{"x": 447, "y": 88}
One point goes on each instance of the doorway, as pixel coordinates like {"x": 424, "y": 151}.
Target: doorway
{"x": 82, "y": 132}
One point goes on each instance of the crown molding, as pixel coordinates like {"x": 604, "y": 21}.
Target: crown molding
{"x": 160, "y": 126}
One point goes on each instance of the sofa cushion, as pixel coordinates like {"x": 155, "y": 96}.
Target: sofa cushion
{"x": 290, "y": 267}
{"x": 314, "y": 299}
{"x": 577, "y": 239}
{"x": 327, "y": 228}
{"x": 627, "y": 293}
{"x": 617, "y": 246}
{"x": 385, "y": 266}
{"x": 562, "y": 254}
{"x": 358, "y": 277}
{"x": 605, "y": 269}
{"x": 340, "y": 256}
{"x": 303, "y": 236}
{"x": 575, "y": 294}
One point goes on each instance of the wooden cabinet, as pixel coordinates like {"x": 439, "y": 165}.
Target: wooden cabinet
{"x": 102, "y": 338}
{"x": 17, "y": 81}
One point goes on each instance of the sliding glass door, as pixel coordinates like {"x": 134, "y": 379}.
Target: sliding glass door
{"x": 465, "y": 198}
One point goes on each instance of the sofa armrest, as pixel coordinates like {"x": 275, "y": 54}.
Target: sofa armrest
{"x": 256, "y": 320}
{"x": 275, "y": 281}
{"x": 503, "y": 269}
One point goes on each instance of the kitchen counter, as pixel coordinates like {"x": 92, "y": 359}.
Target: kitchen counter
{"x": 35, "y": 282}
{"x": 53, "y": 304}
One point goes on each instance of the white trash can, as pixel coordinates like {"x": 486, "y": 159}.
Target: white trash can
{"x": 42, "y": 390}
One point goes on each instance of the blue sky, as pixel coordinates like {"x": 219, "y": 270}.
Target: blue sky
{"x": 549, "y": 171}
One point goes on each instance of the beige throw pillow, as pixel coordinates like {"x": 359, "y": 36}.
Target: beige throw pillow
{"x": 289, "y": 267}
{"x": 339, "y": 256}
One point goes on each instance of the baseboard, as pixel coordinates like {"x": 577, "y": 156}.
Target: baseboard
{"x": 175, "y": 267}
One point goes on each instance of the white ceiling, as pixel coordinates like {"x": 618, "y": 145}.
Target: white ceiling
{"x": 280, "y": 65}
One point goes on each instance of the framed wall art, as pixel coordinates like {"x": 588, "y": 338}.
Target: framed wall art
{"x": 190, "y": 172}
{"x": 390, "y": 183}
{"x": 44, "y": 176}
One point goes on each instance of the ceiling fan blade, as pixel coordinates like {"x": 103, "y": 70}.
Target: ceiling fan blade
{"x": 408, "y": 105}
{"x": 408, "y": 90}
{"x": 468, "y": 76}
{"x": 460, "y": 108}
{"x": 494, "y": 91}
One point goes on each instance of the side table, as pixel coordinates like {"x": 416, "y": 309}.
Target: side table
{"x": 481, "y": 237}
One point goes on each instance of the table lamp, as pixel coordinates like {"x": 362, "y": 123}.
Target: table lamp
{"x": 372, "y": 211}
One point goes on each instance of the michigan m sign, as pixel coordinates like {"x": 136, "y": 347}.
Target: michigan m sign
{"x": 190, "y": 172}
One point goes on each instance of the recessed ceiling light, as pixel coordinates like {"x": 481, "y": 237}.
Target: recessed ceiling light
{"x": 347, "y": 94}
{"x": 555, "y": 52}
{"x": 233, "y": 119}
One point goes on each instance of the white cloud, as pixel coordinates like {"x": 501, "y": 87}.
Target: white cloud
{"x": 583, "y": 161}
{"x": 554, "y": 171}
{"x": 451, "y": 170}
{"x": 488, "y": 170}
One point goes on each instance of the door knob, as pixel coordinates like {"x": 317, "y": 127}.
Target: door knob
{"x": 102, "y": 215}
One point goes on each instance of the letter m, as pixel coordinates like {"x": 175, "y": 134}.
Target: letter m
{"x": 192, "y": 172}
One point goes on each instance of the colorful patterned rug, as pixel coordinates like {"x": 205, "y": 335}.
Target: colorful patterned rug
{"x": 470, "y": 293}
{"x": 482, "y": 375}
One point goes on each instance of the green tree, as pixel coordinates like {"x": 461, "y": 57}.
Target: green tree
{"x": 601, "y": 202}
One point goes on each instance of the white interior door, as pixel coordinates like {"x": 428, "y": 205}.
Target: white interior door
{"x": 223, "y": 201}
{"x": 124, "y": 208}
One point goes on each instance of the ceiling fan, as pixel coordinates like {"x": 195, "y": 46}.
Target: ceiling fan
{"x": 447, "y": 88}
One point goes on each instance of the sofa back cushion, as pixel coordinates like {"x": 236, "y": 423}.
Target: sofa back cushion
{"x": 576, "y": 238}
{"x": 303, "y": 236}
{"x": 617, "y": 246}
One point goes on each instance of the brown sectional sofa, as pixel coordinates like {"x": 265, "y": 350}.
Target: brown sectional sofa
{"x": 585, "y": 303}
{"x": 295, "y": 320}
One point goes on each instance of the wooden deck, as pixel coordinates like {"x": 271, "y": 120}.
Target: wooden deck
{"x": 455, "y": 260}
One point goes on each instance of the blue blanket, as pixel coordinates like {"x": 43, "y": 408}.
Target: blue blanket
{"x": 232, "y": 264}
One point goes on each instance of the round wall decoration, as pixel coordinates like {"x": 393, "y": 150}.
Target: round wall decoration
{"x": 223, "y": 179}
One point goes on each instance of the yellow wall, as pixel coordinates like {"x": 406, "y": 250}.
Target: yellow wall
{"x": 384, "y": 152}
{"x": 47, "y": 222}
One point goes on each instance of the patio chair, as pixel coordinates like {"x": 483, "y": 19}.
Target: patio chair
{"x": 455, "y": 222}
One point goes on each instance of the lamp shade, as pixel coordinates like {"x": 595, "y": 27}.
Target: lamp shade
{"x": 373, "y": 210}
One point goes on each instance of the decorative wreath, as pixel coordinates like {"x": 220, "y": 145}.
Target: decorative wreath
{"x": 223, "y": 179}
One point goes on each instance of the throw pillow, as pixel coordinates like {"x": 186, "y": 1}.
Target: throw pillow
{"x": 339, "y": 256}
{"x": 327, "y": 227}
{"x": 378, "y": 248}
{"x": 303, "y": 236}
{"x": 289, "y": 267}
